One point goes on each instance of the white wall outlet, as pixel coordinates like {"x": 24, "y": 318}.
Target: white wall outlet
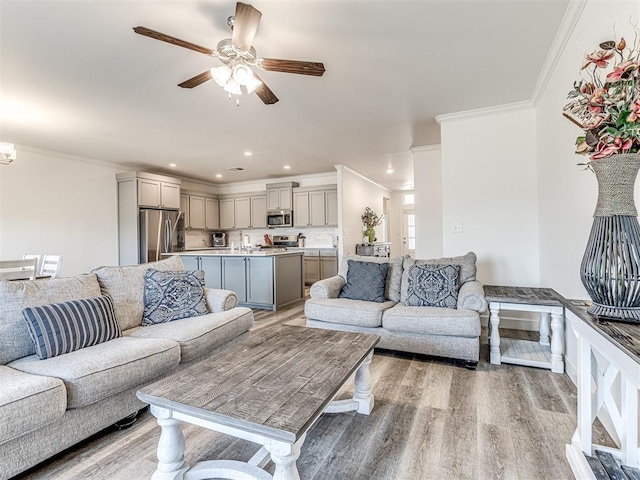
{"x": 456, "y": 228}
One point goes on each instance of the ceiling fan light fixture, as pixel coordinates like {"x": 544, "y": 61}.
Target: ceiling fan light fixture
{"x": 252, "y": 84}
{"x": 221, "y": 75}
{"x": 232, "y": 87}
{"x": 242, "y": 74}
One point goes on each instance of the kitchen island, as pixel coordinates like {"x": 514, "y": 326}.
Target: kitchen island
{"x": 262, "y": 279}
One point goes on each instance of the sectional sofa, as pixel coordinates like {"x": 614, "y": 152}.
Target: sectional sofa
{"x": 49, "y": 405}
{"x": 452, "y": 331}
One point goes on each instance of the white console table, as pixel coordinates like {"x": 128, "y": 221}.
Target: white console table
{"x": 545, "y": 353}
{"x": 608, "y": 370}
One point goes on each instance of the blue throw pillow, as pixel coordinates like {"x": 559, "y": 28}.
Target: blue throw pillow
{"x": 171, "y": 295}
{"x": 68, "y": 326}
{"x": 365, "y": 281}
{"x": 432, "y": 286}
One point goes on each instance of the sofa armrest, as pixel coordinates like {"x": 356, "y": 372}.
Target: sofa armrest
{"x": 327, "y": 288}
{"x": 219, "y": 300}
{"x": 471, "y": 297}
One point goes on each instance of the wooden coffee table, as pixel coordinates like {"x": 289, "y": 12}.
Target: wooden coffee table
{"x": 269, "y": 389}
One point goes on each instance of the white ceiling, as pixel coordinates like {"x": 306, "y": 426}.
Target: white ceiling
{"x": 75, "y": 78}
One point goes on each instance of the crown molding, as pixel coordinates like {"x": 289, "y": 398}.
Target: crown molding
{"x": 342, "y": 168}
{"x": 481, "y": 112}
{"x": 425, "y": 148}
{"x": 565, "y": 30}
{"x": 76, "y": 158}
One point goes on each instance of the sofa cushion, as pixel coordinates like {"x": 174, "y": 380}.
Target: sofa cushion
{"x": 394, "y": 276}
{"x": 432, "y": 321}
{"x": 467, "y": 264}
{"x": 199, "y": 335}
{"x": 64, "y": 327}
{"x": 365, "y": 281}
{"x": 97, "y": 372}
{"x": 346, "y": 311}
{"x": 126, "y": 287}
{"x": 432, "y": 286}
{"x": 28, "y": 402}
{"x": 170, "y": 295}
{"x": 15, "y": 296}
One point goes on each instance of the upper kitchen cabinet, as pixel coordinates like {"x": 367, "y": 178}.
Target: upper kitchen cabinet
{"x": 211, "y": 214}
{"x": 259, "y": 211}
{"x": 227, "y": 214}
{"x": 196, "y": 212}
{"x": 153, "y": 191}
{"x": 279, "y": 195}
{"x": 315, "y": 208}
{"x": 243, "y": 212}
{"x": 184, "y": 208}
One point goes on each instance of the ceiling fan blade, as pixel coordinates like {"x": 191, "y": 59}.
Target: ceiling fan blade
{"x": 245, "y": 26}
{"x": 292, "y": 66}
{"x": 147, "y": 32}
{"x": 265, "y": 93}
{"x": 197, "y": 80}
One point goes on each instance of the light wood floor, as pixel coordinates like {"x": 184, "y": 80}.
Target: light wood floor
{"x": 432, "y": 419}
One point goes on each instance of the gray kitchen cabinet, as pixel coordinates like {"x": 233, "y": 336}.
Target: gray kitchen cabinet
{"x": 196, "y": 212}
{"x": 279, "y": 198}
{"x": 259, "y": 280}
{"x": 212, "y": 267}
{"x": 331, "y": 208}
{"x": 250, "y": 277}
{"x": 311, "y": 269}
{"x": 301, "y": 209}
{"x": 158, "y": 194}
{"x": 184, "y": 208}
{"x": 211, "y": 214}
{"x": 242, "y": 212}
{"x": 317, "y": 216}
{"x": 234, "y": 276}
{"x": 328, "y": 267}
{"x": 227, "y": 214}
{"x": 259, "y": 211}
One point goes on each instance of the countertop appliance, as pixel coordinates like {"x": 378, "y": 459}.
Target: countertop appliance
{"x": 158, "y": 233}
{"x": 280, "y": 218}
{"x": 219, "y": 239}
{"x": 285, "y": 240}
{"x": 382, "y": 249}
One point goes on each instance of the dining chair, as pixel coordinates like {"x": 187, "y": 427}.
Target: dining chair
{"x": 24, "y": 269}
{"x": 39, "y": 257}
{"x": 51, "y": 265}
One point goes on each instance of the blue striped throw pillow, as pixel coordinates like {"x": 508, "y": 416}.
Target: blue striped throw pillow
{"x": 65, "y": 327}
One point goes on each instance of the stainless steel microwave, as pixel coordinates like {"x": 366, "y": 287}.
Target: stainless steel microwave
{"x": 283, "y": 218}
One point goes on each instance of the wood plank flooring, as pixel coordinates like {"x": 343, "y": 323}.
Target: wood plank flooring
{"x": 432, "y": 419}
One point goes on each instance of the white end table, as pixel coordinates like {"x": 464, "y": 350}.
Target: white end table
{"x": 547, "y": 352}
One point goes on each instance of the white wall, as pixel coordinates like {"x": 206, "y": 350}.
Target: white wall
{"x": 355, "y": 193}
{"x": 56, "y": 204}
{"x": 567, "y": 194}
{"x": 489, "y": 188}
{"x": 427, "y": 178}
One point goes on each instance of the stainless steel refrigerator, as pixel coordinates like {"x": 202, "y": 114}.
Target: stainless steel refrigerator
{"x": 158, "y": 233}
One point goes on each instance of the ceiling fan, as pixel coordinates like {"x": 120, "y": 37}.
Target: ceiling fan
{"x": 236, "y": 76}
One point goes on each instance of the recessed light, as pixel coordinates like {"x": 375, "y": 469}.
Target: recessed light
{"x": 287, "y": 167}
{"x": 218, "y": 175}
{"x": 172, "y": 165}
{"x": 247, "y": 153}
{"x": 389, "y": 170}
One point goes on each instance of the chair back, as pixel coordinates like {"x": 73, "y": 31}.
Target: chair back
{"x": 39, "y": 257}
{"x": 51, "y": 265}
{"x": 25, "y": 269}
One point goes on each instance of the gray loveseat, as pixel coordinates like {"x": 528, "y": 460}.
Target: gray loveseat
{"x": 49, "y": 405}
{"x": 439, "y": 331}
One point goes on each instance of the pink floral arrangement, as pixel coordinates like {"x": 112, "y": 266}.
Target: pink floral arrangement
{"x": 605, "y": 102}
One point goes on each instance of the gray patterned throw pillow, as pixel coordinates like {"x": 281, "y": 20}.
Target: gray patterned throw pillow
{"x": 432, "y": 286}
{"x": 365, "y": 281}
{"x": 171, "y": 296}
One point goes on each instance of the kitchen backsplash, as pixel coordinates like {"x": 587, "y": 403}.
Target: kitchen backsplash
{"x": 315, "y": 237}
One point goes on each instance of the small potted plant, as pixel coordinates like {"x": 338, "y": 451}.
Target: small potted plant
{"x": 370, "y": 219}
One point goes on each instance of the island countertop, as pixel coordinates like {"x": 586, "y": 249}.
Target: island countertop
{"x": 235, "y": 253}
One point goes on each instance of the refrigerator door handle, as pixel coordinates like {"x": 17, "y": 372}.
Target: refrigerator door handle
{"x": 158, "y": 237}
{"x": 167, "y": 236}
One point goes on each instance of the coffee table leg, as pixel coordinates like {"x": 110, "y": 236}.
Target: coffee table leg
{"x": 284, "y": 456}
{"x": 171, "y": 464}
{"x": 363, "y": 395}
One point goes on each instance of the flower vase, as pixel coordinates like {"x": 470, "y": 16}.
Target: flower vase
{"x": 610, "y": 269}
{"x": 371, "y": 234}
